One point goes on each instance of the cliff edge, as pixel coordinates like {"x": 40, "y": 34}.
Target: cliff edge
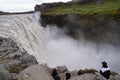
{"x": 97, "y": 22}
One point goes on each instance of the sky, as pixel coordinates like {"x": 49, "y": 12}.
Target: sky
{"x": 22, "y": 5}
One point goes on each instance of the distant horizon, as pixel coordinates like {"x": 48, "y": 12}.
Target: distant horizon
{"x": 17, "y": 12}
{"x": 16, "y": 6}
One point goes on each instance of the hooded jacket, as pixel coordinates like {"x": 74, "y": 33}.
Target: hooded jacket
{"x": 105, "y": 71}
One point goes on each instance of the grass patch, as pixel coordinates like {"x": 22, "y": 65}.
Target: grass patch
{"x": 80, "y": 72}
{"x": 15, "y": 70}
{"x": 109, "y": 7}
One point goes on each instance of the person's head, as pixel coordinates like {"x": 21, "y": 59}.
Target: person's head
{"x": 68, "y": 75}
{"x": 104, "y": 64}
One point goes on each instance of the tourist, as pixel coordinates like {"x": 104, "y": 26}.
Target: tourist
{"x": 55, "y": 74}
{"x": 105, "y": 70}
{"x": 67, "y": 76}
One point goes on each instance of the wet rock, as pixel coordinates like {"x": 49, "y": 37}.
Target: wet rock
{"x": 26, "y": 58}
{"x": 14, "y": 66}
{"x": 7, "y": 46}
{"x": 4, "y": 74}
{"x": 35, "y": 72}
{"x": 13, "y": 59}
{"x": 15, "y": 55}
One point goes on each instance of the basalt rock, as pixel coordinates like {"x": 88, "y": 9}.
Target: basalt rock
{"x": 4, "y": 74}
{"x": 35, "y": 72}
{"x": 13, "y": 60}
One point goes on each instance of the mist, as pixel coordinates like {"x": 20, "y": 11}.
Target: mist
{"x": 61, "y": 49}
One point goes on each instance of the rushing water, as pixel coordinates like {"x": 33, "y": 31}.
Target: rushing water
{"x": 50, "y": 45}
{"x": 24, "y": 30}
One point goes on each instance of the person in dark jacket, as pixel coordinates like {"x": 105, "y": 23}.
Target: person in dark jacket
{"x": 105, "y": 70}
{"x": 55, "y": 74}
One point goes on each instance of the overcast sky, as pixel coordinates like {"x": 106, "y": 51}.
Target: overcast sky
{"x": 22, "y": 5}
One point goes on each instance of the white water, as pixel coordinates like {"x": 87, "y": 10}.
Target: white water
{"x": 24, "y": 30}
{"x": 52, "y": 46}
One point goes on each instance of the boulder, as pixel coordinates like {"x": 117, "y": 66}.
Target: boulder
{"x": 62, "y": 69}
{"x": 35, "y": 72}
{"x": 26, "y": 58}
{"x": 46, "y": 67}
{"x": 117, "y": 77}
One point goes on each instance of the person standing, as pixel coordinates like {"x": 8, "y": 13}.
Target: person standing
{"x": 105, "y": 70}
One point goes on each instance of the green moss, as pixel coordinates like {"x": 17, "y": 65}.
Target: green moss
{"x": 15, "y": 70}
{"x": 109, "y": 7}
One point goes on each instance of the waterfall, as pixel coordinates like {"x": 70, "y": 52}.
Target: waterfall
{"x": 24, "y": 30}
{"x": 52, "y": 46}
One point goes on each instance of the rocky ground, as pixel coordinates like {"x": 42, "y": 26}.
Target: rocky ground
{"x": 17, "y": 65}
{"x": 12, "y": 60}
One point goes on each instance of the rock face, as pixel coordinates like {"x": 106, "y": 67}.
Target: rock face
{"x": 93, "y": 28}
{"x": 35, "y": 72}
{"x": 47, "y": 6}
{"x": 12, "y": 59}
{"x": 4, "y": 74}
{"x": 7, "y": 46}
